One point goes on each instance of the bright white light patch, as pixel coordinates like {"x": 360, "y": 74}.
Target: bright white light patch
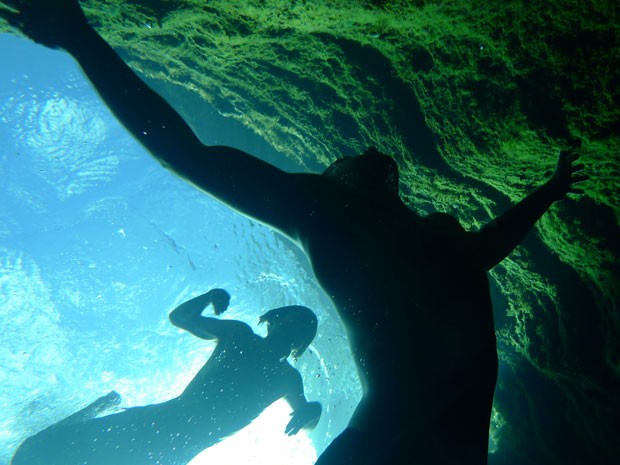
{"x": 262, "y": 442}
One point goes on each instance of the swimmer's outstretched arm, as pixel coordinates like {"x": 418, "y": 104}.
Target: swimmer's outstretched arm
{"x": 234, "y": 177}
{"x": 499, "y": 237}
{"x": 188, "y": 316}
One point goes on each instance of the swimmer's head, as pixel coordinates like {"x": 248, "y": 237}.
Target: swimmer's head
{"x": 372, "y": 171}
{"x": 295, "y": 323}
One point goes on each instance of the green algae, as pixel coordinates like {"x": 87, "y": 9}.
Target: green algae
{"x": 474, "y": 101}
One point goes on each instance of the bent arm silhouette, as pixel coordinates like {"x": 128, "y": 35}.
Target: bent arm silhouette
{"x": 188, "y": 316}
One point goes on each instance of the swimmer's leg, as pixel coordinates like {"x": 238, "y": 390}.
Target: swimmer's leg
{"x": 103, "y": 404}
{"x": 49, "y": 446}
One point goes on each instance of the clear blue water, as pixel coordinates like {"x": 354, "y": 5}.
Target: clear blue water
{"x": 98, "y": 243}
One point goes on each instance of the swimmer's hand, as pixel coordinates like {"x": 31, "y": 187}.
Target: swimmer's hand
{"x": 566, "y": 176}
{"x": 52, "y": 23}
{"x": 220, "y": 300}
{"x": 306, "y": 417}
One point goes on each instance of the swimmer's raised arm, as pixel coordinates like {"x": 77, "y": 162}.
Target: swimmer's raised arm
{"x": 499, "y": 237}
{"x": 62, "y": 24}
{"x": 234, "y": 177}
{"x": 188, "y": 316}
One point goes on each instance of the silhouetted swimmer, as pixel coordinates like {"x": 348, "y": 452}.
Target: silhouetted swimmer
{"x": 412, "y": 291}
{"x": 245, "y": 374}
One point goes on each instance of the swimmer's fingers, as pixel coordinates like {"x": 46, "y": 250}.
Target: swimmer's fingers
{"x": 14, "y": 4}
{"x": 295, "y": 424}
{"x": 577, "y": 176}
{"x": 304, "y": 417}
{"x": 580, "y": 178}
{"x": 575, "y": 169}
{"x": 11, "y": 17}
{"x": 567, "y": 174}
{"x": 21, "y": 21}
{"x": 12, "y": 12}
{"x": 574, "y": 190}
{"x": 52, "y": 23}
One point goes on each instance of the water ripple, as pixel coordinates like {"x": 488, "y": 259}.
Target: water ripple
{"x": 63, "y": 138}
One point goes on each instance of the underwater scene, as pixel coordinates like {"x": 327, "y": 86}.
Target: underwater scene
{"x": 99, "y": 243}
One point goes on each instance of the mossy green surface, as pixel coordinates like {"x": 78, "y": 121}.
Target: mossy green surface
{"x": 474, "y": 101}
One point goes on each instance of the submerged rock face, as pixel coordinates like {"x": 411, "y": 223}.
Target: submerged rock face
{"x": 474, "y": 103}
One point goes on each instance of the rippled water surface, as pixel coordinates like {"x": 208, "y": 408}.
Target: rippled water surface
{"x": 98, "y": 243}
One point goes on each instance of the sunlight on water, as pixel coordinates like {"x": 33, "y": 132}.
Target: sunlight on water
{"x": 98, "y": 244}
{"x": 65, "y": 138}
{"x": 263, "y": 438}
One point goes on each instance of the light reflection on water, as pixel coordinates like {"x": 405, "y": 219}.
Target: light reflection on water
{"x": 98, "y": 244}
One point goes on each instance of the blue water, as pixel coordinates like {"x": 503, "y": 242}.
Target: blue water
{"x": 98, "y": 243}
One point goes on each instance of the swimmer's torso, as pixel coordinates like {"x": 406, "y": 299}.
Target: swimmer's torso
{"x": 412, "y": 298}
{"x": 239, "y": 381}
